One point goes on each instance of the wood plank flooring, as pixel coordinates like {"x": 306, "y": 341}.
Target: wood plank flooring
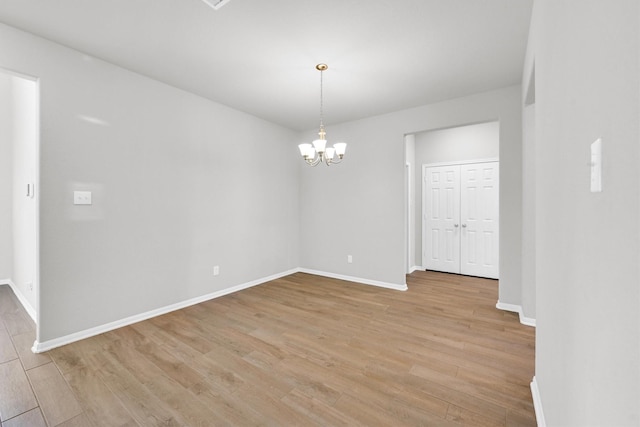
{"x": 302, "y": 350}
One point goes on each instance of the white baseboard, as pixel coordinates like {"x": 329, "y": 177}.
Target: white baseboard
{"x": 39, "y": 347}
{"x": 528, "y": 321}
{"x": 537, "y": 403}
{"x": 416, "y": 268}
{"x": 355, "y": 279}
{"x": 23, "y": 300}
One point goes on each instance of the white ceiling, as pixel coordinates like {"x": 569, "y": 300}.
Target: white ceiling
{"x": 259, "y": 56}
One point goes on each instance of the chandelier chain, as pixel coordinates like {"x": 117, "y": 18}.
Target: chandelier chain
{"x": 321, "y": 100}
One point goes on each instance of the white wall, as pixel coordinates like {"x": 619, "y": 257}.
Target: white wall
{"x": 358, "y": 207}
{"x": 179, "y": 184}
{"x": 461, "y": 143}
{"x": 410, "y": 160}
{"x": 530, "y": 153}
{"x": 469, "y": 142}
{"x": 24, "y": 136}
{"x": 587, "y": 69}
{"x": 6, "y": 179}
{"x": 528, "y": 212}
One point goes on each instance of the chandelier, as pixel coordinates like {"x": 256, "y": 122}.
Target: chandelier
{"x": 318, "y": 152}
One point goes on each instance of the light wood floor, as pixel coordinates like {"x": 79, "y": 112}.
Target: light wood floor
{"x": 301, "y": 350}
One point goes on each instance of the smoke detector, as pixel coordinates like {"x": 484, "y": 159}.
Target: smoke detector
{"x": 216, "y": 4}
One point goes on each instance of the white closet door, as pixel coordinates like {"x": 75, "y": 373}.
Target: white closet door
{"x": 441, "y": 234}
{"x": 479, "y": 219}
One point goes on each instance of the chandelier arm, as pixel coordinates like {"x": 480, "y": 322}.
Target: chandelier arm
{"x": 315, "y": 161}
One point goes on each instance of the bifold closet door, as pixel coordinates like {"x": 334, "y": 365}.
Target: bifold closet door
{"x": 479, "y": 232}
{"x": 441, "y": 198}
{"x": 460, "y": 219}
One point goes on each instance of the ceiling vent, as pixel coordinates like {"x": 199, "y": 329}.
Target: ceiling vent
{"x": 216, "y": 4}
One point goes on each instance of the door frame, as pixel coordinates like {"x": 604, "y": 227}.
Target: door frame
{"x": 34, "y": 312}
{"x": 409, "y": 213}
{"x": 423, "y": 199}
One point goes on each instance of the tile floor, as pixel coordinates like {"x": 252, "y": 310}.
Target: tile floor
{"x": 33, "y": 393}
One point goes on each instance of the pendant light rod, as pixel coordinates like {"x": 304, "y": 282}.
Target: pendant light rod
{"x": 322, "y": 68}
{"x": 318, "y": 152}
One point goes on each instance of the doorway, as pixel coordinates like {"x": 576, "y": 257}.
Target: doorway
{"x": 19, "y": 187}
{"x": 467, "y": 143}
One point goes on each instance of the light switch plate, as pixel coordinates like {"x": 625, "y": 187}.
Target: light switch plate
{"x": 596, "y": 166}
{"x": 82, "y": 197}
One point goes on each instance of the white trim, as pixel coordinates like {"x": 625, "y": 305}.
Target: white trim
{"x": 216, "y": 4}
{"x": 416, "y": 268}
{"x": 509, "y": 307}
{"x": 461, "y": 162}
{"x": 355, "y": 279}
{"x": 23, "y": 300}
{"x": 528, "y": 321}
{"x": 408, "y": 214}
{"x": 537, "y": 403}
{"x": 38, "y": 143}
{"x": 39, "y": 347}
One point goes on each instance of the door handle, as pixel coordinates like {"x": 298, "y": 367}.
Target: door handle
{"x": 464, "y": 225}
{"x": 455, "y": 225}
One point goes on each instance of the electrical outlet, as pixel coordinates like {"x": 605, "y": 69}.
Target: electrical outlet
{"x": 30, "y": 286}
{"x": 216, "y": 270}
{"x": 349, "y": 259}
